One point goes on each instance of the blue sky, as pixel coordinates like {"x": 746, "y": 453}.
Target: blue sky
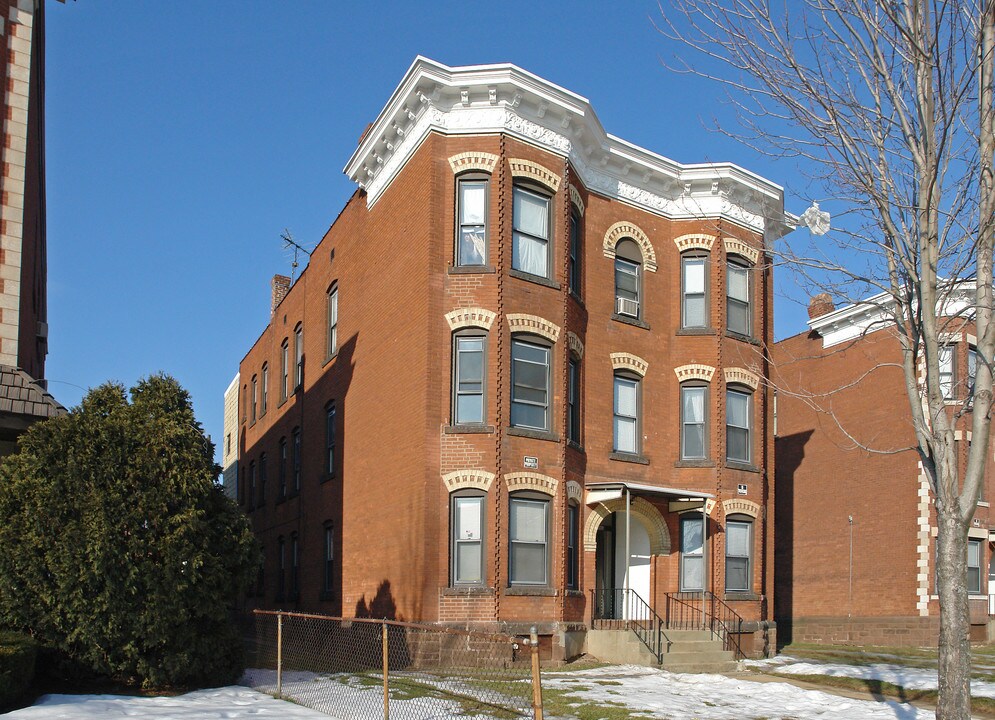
{"x": 183, "y": 139}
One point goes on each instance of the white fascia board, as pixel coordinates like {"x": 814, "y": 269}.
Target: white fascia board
{"x": 559, "y": 121}
{"x": 233, "y": 385}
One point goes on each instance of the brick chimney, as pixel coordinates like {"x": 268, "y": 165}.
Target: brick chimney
{"x": 819, "y": 305}
{"x": 281, "y": 286}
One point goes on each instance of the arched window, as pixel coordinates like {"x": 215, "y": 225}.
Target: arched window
{"x": 627, "y": 425}
{"x": 332, "y": 314}
{"x": 573, "y": 399}
{"x": 530, "y": 231}
{"x": 467, "y": 537}
{"x": 298, "y": 356}
{"x": 739, "y": 553}
{"x": 295, "y": 566}
{"x": 265, "y": 389}
{"x": 573, "y": 546}
{"x": 574, "y": 270}
{"x": 469, "y": 406}
{"x": 739, "y": 424}
{"x": 282, "y": 471}
{"x": 739, "y": 312}
{"x": 694, "y": 421}
{"x": 694, "y": 295}
{"x": 262, "y": 479}
{"x": 281, "y": 564}
{"x": 284, "y": 368}
{"x": 530, "y": 382}
{"x": 472, "y": 206}
{"x": 628, "y": 279}
{"x": 330, "y": 430}
{"x": 255, "y": 398}
{"x": 296, "y": 459}
{"x": 328, "y": 561}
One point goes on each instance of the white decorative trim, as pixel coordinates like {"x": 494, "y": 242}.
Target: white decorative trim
{"x": 524, "y": 323}
{"x": 576, "y": 199}
{"x": 473, "y": 160}
{"x": 741, "y": 376}
{"x": 739, "y": 506}
{"x": 628, "y": 361}
{"x": 735, "y": 246}
{"x": 468, "y": 479}
{"x": 470, "y": 317}
{"x": 506, "y": 99}
{"x": 694, "y": 241}
{"x": 694, "y": 372}
{"x": 516, "y": 482}
{"x": 574, "y": 491}
{"x": 621, "y": 230}
{"x": 640, "y": 508}
{"x": 576, "y": 346}
{"x": 521, "y": 168}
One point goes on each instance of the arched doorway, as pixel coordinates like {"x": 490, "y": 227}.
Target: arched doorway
{"x": 610, "y": 565}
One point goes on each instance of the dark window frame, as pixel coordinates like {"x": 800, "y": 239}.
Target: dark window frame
{"x": 455, "y": 542}
{"x": 264, "y": 390}
{"x": 251, "y": 491}
{"x": 469, "y": 178}
{"x": 686, "y": 519}
{"x": 254, "y": 399}
{"x": 706, "y": 445}
{"x": 282, "y": 470}
{"x": 533, "y": 341}
{"x": 332, "y": 320}
{"x": 262, "y": 480}
{"x": 331, "y": 430}
{"x": 284, "y": 368}
{"x": 574, "y": 395}
{"x": 575, "y": 267}
{"x": 573, "y": 546}
{"x": 977, "y": 589}
{"x": 544, "y": 193}
{"x": 328, "y": 558}
{"x": 534, "y": 498}
{"x": 706, "y": 314}
{"x": 295, "y": 447}
{"x": 298, "y": 357}
{"x": 281, "y": 564}
{"x": 472, "y": 333}
{"x": 295, "y": 566}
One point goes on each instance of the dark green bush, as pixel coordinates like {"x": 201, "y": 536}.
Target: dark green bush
{"x": 17, "y": 666}
{"x": 117, "y": 547}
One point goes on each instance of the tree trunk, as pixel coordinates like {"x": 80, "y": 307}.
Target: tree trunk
{"x": 954, "y": 647}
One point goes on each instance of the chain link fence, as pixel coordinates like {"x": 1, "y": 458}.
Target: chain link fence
{"x": 358, "y": 668}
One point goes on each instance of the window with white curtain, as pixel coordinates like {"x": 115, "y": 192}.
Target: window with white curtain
{"x": 739, "y": 541}
{"x": 529, "y": 541}
{"x": 692, "y": 557}
{"x": 471, "y": 241}
{"x": 530, "y": 232}
{"x": 626, "y": 416}
{"x": 693, "y": 422}
{"x": 693, "y": 308}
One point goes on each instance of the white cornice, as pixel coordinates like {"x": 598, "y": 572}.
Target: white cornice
{"x": 481, "y": 99}
{"x": 875, "y": 313}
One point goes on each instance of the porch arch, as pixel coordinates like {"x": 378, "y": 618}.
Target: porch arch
{"x": 643, "y": 510}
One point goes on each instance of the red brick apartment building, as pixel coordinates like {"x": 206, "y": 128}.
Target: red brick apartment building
{"x": 23, "y": 269}
{"x": 519, "y": 332}
{"x": 856, "y": 529}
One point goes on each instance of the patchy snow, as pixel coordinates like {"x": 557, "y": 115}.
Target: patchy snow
{"x": 907, "y": 677}
{"x": 218, "y": 704}
{"x": 660, "y": 694}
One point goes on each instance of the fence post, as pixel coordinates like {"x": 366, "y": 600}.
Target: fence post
{"x": 386, "y": 668}
{"x": 536, "y": 679}
{"x": 279, "y": 655}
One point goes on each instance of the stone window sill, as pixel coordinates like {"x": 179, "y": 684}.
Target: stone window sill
{"x": 467, "y": 590}
{"x": 629, "y": 458}
{"x": 745, "y": 467}
{"x": 626, "y": 320}
{"x": 537, "y": 279}
{"x": 534, "y": 434}
{"x": 740, "y": 597}
{"x": 703, "y": 463}
{"x": 742, "y": 338}
{"x": 329, "y": 358}
{"x": 696, "y": 331}
{"x": 530, "y": 591}
{"x": 468, "y": 429}
{"x": 471, "y": 270}
{"x": 576, "y": 446}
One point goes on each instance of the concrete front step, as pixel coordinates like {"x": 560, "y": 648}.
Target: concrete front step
{"x": 690, "y": 651}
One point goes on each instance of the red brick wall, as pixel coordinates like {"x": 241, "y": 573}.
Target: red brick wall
{"x": 391, "y": 382}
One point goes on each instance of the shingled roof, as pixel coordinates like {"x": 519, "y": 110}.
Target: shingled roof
{"x": 21, "y": 395}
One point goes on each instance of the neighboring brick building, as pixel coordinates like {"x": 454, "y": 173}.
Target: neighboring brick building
{"x": 23, "y": 271}
{"x": 488, "y": 356}
{"x": 855, "y": 523}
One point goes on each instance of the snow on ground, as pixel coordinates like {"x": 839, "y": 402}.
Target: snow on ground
{"x": 217, "y": 704}
{"x": 644, "y": 691}
{"x": 908, "y": 677}
{"x": 660, "y": 694}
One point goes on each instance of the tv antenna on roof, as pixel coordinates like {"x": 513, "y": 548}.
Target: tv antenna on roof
{"x": 289, "y": 242}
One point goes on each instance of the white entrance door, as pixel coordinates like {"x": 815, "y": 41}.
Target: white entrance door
{"x": 639, "y": 558}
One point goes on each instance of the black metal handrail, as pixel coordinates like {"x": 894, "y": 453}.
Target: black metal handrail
{"x": 625, "y": 608}
{"x": 697, "y": 610}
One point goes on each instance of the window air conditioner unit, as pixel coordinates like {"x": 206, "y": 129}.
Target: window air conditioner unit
{"x": 625, "y": 306}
